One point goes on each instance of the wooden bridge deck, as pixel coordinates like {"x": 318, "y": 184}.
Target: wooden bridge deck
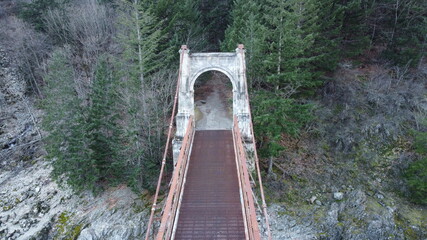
{"x": 211, "y": 207}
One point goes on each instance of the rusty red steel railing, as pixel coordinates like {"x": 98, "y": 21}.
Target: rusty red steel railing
{"x": 173, "y": 200}
{"x": 264, "y": 205}
{"x": 251, "y": 225}
{"x": 165, "y": 152}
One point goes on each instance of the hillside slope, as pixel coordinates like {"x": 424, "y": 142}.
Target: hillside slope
{"x": 343, "y": 179}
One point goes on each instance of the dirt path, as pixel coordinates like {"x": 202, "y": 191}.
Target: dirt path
{"x": 211, "y": 101}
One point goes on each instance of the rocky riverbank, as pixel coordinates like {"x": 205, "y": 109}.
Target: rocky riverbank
{"x": 32, "y": 205}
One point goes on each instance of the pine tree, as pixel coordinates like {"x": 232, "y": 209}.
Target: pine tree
{"x": 246, "y": 27}
{"x": 181, "y": 24}
{"x": 186, "y": 26}
{"x": 104, "y": 132}
{"x": 404, "y": 30}
{"x": 139, "y": 35}
{"x": 142, "y": 95}
{"x": 215, "y": 18}
{"x": 354, "y": 29}
{"x": 275, "y": 115}
{"x": 330, "y": 20}
{"x": 64, "y": 121}
{"x": 279, "y": 40}
{"x": 79, "y": 169}
{"x": 290, "y": 36}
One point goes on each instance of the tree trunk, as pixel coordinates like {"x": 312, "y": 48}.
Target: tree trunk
{"x": 270, "y": 166}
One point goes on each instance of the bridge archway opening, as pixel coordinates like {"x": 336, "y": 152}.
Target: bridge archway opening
{"x": 213, "y": 100}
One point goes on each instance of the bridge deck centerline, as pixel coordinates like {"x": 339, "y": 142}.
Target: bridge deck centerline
{"x": 211, "y": 205}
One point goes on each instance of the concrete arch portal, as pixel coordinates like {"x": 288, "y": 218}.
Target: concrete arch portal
{"x": 197, "y": 75}
{"x": 232, "y": 64}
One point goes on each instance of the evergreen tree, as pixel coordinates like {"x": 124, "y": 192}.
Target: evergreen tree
{"x": 186, "y": 27}
{"x": 354, "y": 31}
{"x": 143, "y": 93}
{"x": 215, "y": 19}
{"x": 290, "y": 36}
{"x": 102, "y": 126}
{"x": 330, "y": 20}
{"x": 276, "y": 115}
{"x": 416, "y": 178}
{"x": 279, "y": 39}
{"x": 145, "y": 38}
{"x": 404, "y": 30}
{"x": 77, "y": 167}
{"x": 247, "y": 28}
{"x": 181, "y": 24}
{"x": 67, "y": 141}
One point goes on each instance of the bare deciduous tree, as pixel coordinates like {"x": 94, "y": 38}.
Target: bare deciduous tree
{"x": 87, "y": 26}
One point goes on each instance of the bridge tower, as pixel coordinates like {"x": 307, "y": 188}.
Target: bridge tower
{"x": 192, "y": 65}
{"x": 193, "y": 209}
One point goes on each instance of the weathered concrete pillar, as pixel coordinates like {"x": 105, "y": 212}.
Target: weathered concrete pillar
{"x": 184, "y": 108}
{"x": 242, "y": 102}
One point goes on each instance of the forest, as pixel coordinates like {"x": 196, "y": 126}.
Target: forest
{"x": 343, "y": 79}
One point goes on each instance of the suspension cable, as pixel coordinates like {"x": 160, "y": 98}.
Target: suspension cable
{"x": 264, "y": 205}
{"x": 165, "y": 152}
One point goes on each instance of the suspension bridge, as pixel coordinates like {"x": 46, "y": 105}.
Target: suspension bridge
{"x": 216, "y": 188}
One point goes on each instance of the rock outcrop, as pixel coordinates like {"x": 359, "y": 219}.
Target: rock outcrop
{"x": 358, "y": 215}
{"x": 32, "y": 205}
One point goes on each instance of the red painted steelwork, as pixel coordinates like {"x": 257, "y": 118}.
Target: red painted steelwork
{"x": 178, "y": 178}
{"x": 247, "y": 195}
{"x": 211, "y": 206}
